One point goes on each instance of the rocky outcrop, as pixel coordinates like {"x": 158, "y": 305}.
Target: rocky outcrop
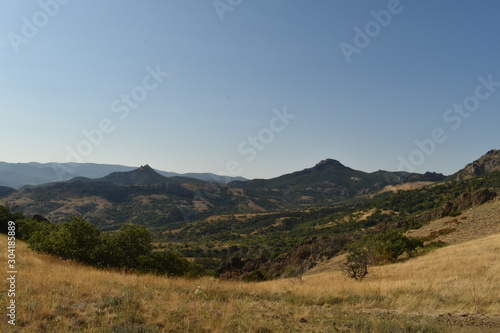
{"x": 485, "y": 164}
{"x": 463, "y": 202}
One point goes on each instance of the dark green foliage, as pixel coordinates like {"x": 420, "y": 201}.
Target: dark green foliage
{"x": 387, "y": 247}
{"x": 255, "y": 276}
{"x": 7, "y": 215}
{"x": 455, "y": 213}
{"x": 168, "y": 263}
{"x": 356, "y": 265}
{"x": 129, "y": 248}
{"x": 122, "y": 248}
{"x": 430, "y": 197}
{"x": 76, "y": 240}
{"x": 376, "y": 249}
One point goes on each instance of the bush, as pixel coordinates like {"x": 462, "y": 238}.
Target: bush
{"x": 123, "y": 248}
{"x": 5, "y": 216}
{"x": 356, "y": 266}
{"x": 387, "y": 247}
{"x": 255, "y": 276}
{"x": 377, "y": 249}
{"x": 76, "y": 240}
{"x": 168, "y": 263}
{"x": 130, "y": 248}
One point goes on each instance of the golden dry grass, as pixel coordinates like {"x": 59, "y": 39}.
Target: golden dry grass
{"x": 60, "y": 296}
{"x": 472, "y": 224}
{"x": 406, "y": 186}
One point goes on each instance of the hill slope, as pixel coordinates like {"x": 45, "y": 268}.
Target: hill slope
{"x": 432, "y": 293}
{"x": 6, "y": 191}
{"x": 490, "y": 162}
{"x": 327, "y": 182}
{"x": 474, "y": 223}
{"x": 143, "y": 196}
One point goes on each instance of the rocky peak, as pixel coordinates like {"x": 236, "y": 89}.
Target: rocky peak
{"x": 487, "y": 163}
{"x": 146, "y": 168}
{"x": 328, "y": 163}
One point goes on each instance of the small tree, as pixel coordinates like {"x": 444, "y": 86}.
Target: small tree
{"x": 255, "y": 276}
{"x": 123, "y": 248}
{"x": 76, "y": 240}
{"x": 356, "y": 266}
{"x": 375, "y": 250}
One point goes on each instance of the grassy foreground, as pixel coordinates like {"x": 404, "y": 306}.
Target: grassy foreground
{"x": 453, "y": 289}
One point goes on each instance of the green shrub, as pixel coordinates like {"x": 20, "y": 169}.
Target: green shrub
{"x": 356, "y": 265}
{"x": 255, "y": 276}
{"x": 377, "y": 249}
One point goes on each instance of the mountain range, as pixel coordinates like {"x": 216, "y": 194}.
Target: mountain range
{"x": 144, "y": 196}
{"x": 273, "y": 224}
{"x": 17, "y": 175}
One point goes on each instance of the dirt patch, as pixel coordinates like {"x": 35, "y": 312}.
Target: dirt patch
{"x": 463, "y": 322}
{"x": 236, "y": 191}
{"x": 486, "y": 323}
{"x": 405, "y": 186}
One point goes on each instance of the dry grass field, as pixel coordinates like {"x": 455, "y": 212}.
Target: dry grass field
{"x": 453, "y": 289}
{"x": 473, "y": 223}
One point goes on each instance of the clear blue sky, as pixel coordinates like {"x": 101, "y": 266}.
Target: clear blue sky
{"x": 65, "y": 69}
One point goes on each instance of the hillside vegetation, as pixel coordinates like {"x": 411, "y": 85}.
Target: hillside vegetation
{"x": 255, "y": 257}
{"x": 432, "y": 293}
{"x": 143, "y": 196}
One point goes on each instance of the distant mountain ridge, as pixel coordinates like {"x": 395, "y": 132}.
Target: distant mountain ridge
{"x": 144, "y": 196}
{"x": 144, "y": 175}
{"x": 330, "y": 178}
{"x": 17, "y": 175}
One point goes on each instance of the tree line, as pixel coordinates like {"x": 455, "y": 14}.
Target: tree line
{"x": 130, "y": 248}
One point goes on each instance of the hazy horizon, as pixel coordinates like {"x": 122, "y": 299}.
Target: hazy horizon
{"x": 250, "y": 88}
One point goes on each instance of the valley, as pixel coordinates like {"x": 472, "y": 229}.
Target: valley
{"x": 275, "y": 250}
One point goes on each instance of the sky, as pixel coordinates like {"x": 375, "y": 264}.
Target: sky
{"x": 250, "y": 88}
